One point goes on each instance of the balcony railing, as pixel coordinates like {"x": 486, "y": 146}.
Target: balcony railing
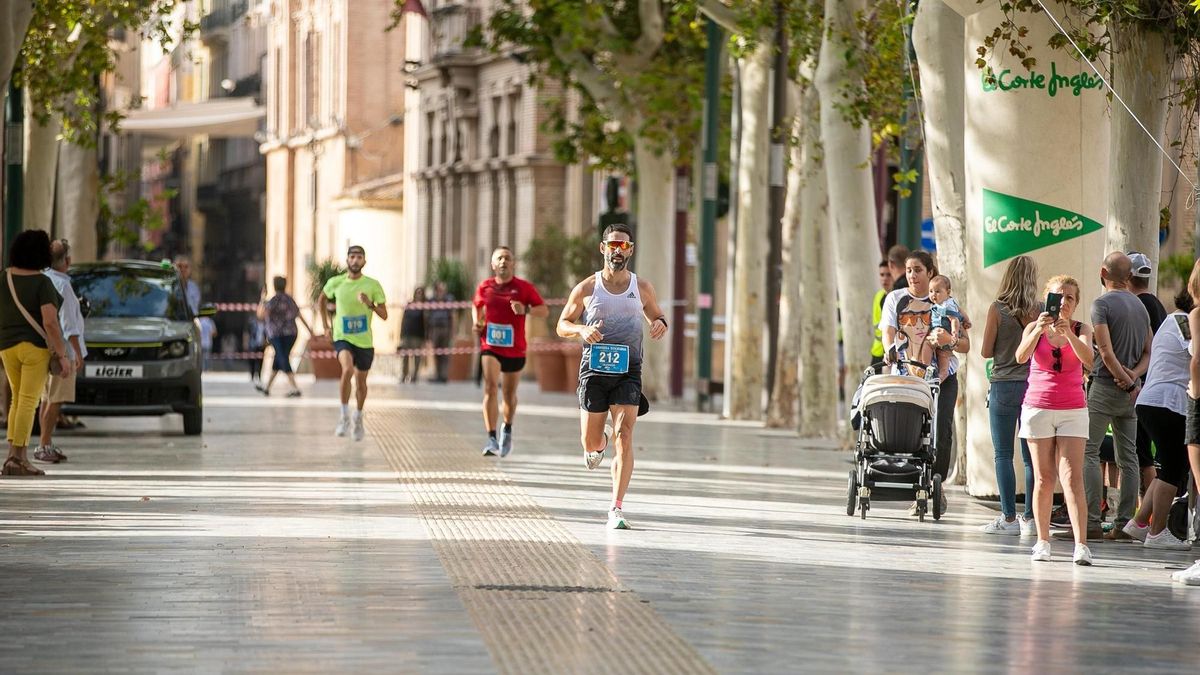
{"x": 451, "y": 24}
{"x": 223, "y": 14}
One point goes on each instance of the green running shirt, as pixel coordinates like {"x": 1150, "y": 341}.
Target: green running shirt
{"x": 352, "y": 319}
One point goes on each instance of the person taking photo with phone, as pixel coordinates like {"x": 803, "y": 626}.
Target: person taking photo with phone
{"x": 1054, "y": 415}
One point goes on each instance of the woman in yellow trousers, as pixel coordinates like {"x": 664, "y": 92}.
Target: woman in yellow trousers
{"x": 29, "y": 338}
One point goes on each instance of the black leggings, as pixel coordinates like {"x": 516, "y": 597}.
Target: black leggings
{"x": 1166, "y": 429}
{"x": 944, "y": 442}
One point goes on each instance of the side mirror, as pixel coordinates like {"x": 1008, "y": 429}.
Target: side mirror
{"x": 208, "y": 309}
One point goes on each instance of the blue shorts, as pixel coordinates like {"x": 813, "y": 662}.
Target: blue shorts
{"x": 361, "y": 356}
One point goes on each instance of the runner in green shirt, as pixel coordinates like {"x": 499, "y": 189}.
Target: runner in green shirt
{"x": 357, "y": 298}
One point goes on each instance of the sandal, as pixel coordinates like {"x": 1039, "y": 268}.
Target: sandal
{"x": 14, "y": 466}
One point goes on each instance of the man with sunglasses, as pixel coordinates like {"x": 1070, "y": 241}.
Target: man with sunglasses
{"x": 606, "y": 311}
{"x": 501, "y": 304}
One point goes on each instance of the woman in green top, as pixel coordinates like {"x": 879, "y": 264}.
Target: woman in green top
{"x": 23, "y": 343}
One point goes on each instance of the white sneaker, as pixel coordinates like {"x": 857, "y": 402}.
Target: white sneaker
{"x": 593, "y": 459}
{"x": 1183, "y": 575}
{"x": 1083, "y": 556}
{"x": 1001, "y": 526}
{"x": 1166, "y": 541}
{"x": 1028, "y": 526}
{"x": 342, "y": 425}
{"x": 359, "y": 431}
{"x": 616, "y": 521}
{"x": 1139, "y": 532}
{"x": 1041, "y": 552}
{"x": 492, "y": 448}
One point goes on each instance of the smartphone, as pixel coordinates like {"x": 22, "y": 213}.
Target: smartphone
{"x": 1053, "y": 304}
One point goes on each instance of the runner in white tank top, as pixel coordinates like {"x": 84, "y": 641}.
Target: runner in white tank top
{"x": 613, "y": 304}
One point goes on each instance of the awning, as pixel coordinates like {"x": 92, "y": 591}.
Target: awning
{"x": 222, "y": 117}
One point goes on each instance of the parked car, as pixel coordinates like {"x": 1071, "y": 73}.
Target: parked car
{"x": 143, "y": 343}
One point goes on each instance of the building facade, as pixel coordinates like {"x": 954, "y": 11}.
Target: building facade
{"x": 334, "y": 140}
{"x": 484, "y": 172}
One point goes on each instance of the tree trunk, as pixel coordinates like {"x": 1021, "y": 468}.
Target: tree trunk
{"x": 938, "y": 37}
{"x": 41, "y": 172}
{"x": 745, "y": 383}
{"x": 781, "y": 413}
{"x": 78, "y": 199}
{"x": 847, "y": 152}
{"x": 818, "y": 310}
{"x": 14, "y": 23}
{"x": 655, "y": 240}
{"x": 1142, "y": 65}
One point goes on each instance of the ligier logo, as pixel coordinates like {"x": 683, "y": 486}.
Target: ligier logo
{"x": 1013, "y": 226}
{"x": 114, "y": 371}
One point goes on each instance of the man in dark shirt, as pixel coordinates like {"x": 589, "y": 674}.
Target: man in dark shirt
{"x": 1139, "y": 283}
{"x": 897, "y": 257}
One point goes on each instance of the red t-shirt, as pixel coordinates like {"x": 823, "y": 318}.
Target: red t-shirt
{"x": 495, "y": 299}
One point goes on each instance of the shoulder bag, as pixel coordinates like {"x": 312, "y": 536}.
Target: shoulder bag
{"x": 55, "y": 365}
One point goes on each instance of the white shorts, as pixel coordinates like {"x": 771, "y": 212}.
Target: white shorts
{"x": 1037, "y": 423}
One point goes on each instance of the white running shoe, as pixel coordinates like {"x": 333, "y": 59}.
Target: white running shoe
{"x": 1001, "y": 526}
{"x": 492, "y": 448}
{"x": 616, "y": 521}
{"x": 1041, "y": 552}
{"x": 1166, "y": 541}
{"x": 593, "y": 459}
{"x": 1192, "y": 572}
{"x": 359, "y": 430}
{"x": 1028, "y": 526}
{"x": 1083, "y": 555}
{"x": 342, "y": 425}
{"x": 1139, "y": 532}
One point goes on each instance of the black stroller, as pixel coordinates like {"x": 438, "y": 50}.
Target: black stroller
{"x": 895, "y": 416}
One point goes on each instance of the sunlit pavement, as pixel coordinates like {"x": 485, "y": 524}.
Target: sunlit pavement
{"x": 269, "y": 545}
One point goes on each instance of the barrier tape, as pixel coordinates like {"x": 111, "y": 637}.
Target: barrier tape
{"x": 457, "y": 304}
{"x": 435, "y": 351}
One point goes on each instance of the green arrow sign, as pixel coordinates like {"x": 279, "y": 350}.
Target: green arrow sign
{"x": 1013, "y": 226}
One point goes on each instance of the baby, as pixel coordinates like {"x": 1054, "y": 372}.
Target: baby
{"x": 946, "y": 315}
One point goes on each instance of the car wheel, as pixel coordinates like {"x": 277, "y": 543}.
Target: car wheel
{"x": 193, "y": 421}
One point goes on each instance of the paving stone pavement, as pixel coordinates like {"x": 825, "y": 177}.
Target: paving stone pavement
{"x": 267, "y": 545}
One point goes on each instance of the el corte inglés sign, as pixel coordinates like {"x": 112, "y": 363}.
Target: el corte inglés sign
{"x": 1051, "y": 83}
{"x": 1013, "y": 226}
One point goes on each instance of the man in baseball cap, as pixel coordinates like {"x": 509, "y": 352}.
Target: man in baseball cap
{"x": 1139, "y": 284}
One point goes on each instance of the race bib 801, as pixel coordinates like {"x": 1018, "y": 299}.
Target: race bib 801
{"x": 499, "y": 335}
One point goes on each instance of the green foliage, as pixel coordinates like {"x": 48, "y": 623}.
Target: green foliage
{"x": 1177, "y": 267}
{"x": 632, "y": 82}
{"x": 67, "y": 49}
{"x": 319, "y": 273}
{"x": 555, "y": 262}
{"x": 452, "y": 273}
{"x": 125, "y": 226}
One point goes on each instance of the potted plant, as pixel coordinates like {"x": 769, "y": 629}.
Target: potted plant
{"x": 325, "y": 366}
{"x": 545, "y": 264}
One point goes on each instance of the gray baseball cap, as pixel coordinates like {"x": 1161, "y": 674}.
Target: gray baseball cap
{"x": 1140, "y": 264}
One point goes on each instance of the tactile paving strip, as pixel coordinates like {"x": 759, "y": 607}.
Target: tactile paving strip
{"x": 542, "y": 602}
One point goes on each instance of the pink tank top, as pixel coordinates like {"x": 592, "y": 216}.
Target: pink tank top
{"x": 1051, "y": 389}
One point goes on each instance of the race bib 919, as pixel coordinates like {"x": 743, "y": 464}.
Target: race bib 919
{"x": 609, "y": 359}
{"x": 353, "y": 325}
{"x": 499, "y": 335}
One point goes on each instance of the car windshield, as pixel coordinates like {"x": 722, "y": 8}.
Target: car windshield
{"x": 122, "y": 292}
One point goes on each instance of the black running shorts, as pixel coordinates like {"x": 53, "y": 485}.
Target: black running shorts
{"x": 598, "y": 393}
{"x": 508, "y": 364}
{"x": 362, "y": 357}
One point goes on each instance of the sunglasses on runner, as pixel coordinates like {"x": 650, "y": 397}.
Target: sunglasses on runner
{"x": 618, "y": 245}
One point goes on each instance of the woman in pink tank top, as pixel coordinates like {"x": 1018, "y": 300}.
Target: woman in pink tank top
{"x": 1054, "y": 416}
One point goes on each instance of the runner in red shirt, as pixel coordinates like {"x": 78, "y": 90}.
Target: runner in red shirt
{"x": 501, "y": 304}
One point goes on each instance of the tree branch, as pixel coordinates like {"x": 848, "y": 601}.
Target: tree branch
{"x": 724, "y": 16}
{"x": 591, "y": 78}
{"x": 650, "y": 14}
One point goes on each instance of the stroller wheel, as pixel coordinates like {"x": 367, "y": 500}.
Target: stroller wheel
{"x": 864, "y": 505}
{"x": 937, "y": 497}
{"x": 922, "y": 509}
{"x": 852, "y": 493}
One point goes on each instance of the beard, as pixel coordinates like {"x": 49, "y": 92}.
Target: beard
{"x": 354, "y": 269}
{"x": 615, "y": 264}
